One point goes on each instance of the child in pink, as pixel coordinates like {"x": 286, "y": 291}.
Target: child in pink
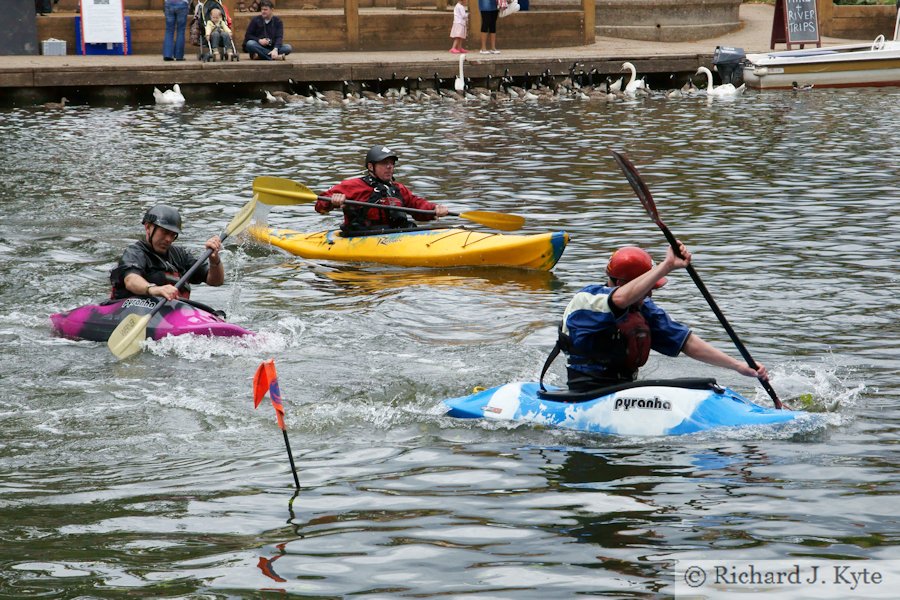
{"x": 460, "y": 27}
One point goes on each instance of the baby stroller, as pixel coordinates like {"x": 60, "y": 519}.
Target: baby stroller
{"x": 198, "y": 30}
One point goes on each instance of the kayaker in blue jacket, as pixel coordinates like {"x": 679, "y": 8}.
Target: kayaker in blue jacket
{"x": 608, "y": 330}
{"x": 151, "y": 267}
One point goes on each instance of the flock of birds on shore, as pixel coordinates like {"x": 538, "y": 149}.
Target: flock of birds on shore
{"x": 580, "y": 85}
{"x": 576, "y": 85}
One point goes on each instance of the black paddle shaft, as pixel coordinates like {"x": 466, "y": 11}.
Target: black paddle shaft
{"x": 643, "y": 193}
{"x": 415, "y": 211}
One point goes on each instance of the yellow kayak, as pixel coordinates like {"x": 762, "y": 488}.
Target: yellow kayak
{"x": 445, "y": 247}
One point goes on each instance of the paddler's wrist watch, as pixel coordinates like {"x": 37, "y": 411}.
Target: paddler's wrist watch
{"x": 147, "y": 291}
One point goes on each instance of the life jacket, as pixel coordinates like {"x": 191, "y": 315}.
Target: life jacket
{"x": 160, "y": 272}
{"x": 620, "y": 352}
{"x": 383, "y": 194}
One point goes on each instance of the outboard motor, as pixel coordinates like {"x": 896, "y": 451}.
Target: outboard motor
{"x": 729, "y": 63}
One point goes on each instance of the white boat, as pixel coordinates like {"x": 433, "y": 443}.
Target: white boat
{"x": 640, "y": 408}
{"x": 850, "y": 65}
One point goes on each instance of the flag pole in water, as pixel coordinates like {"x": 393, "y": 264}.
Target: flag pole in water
{"x": 266, "y": 381}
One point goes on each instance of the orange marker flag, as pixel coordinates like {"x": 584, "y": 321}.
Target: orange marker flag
{"x": 265, "y": 381}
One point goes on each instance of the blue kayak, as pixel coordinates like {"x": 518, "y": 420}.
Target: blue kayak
{"x": 649, "y": 407}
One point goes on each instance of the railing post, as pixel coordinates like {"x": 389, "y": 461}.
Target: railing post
{"x": 590, "y": 20}
{"x": 351, "y": 18}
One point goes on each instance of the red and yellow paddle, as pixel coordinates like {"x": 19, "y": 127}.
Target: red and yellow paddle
{"x": 281, "y": 191}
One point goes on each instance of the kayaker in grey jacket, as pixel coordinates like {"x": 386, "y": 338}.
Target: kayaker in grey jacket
{"x": 151, "y": 266}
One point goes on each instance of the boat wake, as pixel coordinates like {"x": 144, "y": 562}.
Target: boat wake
{"x": 284, "y": 335}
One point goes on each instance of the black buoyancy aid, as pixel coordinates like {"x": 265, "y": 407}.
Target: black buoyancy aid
{"x": 359, "y": 216}
{"x": 160, "y": 272}
{"x": 621, "y": 351}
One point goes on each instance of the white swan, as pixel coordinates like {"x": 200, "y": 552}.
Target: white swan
{"x": 172, "y": 96}
{"x": 460, "y": 84}
{"x": 634, "y": 83}
{"x": 726, "y": 90}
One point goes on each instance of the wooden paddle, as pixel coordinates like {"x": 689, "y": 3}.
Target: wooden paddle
{"x": 280, "y": 191}
{"x": 127, "y": 337}
{"x": 643, "y": 193}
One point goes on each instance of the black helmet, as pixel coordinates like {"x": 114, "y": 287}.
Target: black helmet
{"x": 379, "y": 153}
{"x": 165, "y": 216}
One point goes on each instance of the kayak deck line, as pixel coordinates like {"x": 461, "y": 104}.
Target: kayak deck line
{"x": 457, "y": 230}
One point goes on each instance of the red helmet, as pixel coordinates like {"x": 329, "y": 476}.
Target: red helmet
{"x": 630, "y": 262}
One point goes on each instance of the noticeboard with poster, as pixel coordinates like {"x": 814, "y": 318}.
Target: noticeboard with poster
{"x": 102, "y": 22}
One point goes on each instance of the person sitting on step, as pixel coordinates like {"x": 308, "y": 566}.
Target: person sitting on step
{"x": 265, "y": 34}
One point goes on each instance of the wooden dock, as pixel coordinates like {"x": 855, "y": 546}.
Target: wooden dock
{"x": 27, "y": 80}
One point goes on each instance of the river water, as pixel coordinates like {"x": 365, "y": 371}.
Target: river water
{"x": 155, "y": 477}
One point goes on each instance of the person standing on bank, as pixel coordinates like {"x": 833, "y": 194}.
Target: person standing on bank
{"x": 265, "y": 34}
{"x": 460, "y": 27}
{"x": 176, "y": 12}
{"x": 489, "y": 12}
{"x": 608, "y": 330}
{"x": 379, "y": 189}
{"x": 151, "y": 267}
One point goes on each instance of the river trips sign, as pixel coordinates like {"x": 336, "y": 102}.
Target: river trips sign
{"x": 796, "y": 22}
{"x": 102, "y": 22}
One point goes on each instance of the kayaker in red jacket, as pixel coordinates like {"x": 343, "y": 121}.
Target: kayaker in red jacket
{"x": 379, "y": 189}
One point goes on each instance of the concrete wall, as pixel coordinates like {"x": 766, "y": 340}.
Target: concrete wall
{"x": 667, "y": 20}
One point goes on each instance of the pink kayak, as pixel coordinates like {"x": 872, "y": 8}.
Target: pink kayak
{"x": 96, "y": 322}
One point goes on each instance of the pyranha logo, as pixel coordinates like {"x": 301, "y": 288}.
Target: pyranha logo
{"x": 654, "y": 403}
{"x": 142, "y": 302}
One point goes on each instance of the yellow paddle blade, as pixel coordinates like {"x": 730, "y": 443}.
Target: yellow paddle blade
{"x": 242, "y": 219}
{"x": 281, "y": 191}
{"x": 127, "y": 337}
{"x": 495, "y": 220}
